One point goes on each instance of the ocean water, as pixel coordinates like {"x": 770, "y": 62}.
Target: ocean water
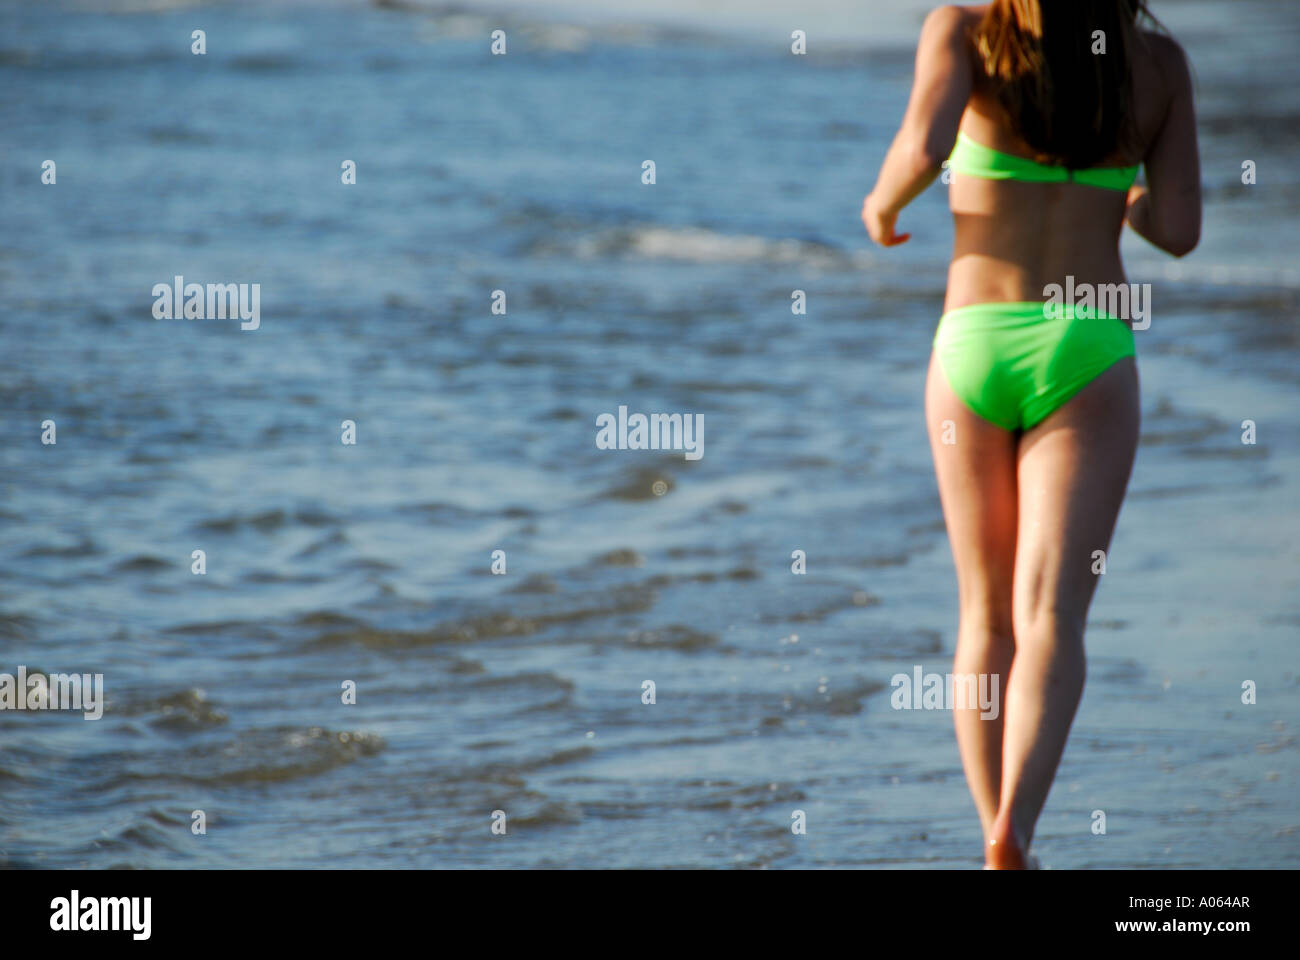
{"x": 475, "y": 432}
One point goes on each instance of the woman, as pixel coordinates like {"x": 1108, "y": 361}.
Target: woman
{"x": 1033, "y": 413}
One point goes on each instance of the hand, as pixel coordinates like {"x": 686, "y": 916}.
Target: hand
{"x": 880, "y": 225}
{"x": 1135, "y": 193}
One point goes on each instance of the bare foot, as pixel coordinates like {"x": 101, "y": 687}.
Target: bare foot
{"x": 1005, "y": 850}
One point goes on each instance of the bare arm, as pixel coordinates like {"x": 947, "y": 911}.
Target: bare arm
{"x": 1167, "y": 213}
{"x": 940, "y": 89}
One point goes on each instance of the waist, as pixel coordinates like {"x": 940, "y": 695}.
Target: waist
{"x": 1027, "y": 310}
{"x": 1021, "y": 312}
{"x": 1096, "y": 277}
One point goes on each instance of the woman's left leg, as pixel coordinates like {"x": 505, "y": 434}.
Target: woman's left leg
{"x": 975, "y": 465}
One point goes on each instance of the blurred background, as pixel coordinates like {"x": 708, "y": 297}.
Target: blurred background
{"x": 475, "y": 432}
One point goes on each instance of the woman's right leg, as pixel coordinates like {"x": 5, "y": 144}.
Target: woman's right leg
{"x": 1073, "y": 470}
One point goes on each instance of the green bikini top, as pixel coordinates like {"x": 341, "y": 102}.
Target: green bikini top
{"x": 976, "y": 160}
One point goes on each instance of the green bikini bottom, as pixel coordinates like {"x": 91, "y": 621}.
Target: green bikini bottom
{"x": 1014, "y": 364}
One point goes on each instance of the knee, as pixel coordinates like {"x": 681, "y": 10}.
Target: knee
{"x": 988, "y": 624}
{"x": 1048, "y": 623}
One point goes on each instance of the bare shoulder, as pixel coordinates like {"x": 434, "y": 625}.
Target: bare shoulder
{"x": 1167, "y": 56}
{"x": 949, "y": 26}
{"x": 952, "y": 19}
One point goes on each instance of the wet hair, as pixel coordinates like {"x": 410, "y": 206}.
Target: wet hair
{"x": 1074, "y": 106}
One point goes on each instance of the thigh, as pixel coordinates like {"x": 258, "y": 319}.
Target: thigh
{"x": 1073, "y": 470}
{"x": 975, "y": 465}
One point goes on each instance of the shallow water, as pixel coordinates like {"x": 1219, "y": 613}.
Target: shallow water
{"x": 370, "y": 563}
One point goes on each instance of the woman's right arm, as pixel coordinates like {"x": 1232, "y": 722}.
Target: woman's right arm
{"x": 1167, "y": 212}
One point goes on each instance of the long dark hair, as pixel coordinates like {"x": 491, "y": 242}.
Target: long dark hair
{"x": 1073, "y": 106}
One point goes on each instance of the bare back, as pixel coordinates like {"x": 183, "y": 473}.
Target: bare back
{"x": 1013, "y": 238}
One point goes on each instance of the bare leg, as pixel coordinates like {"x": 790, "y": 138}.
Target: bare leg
{"x": 1073, "y": 470}
{"x": 977, "y": 486}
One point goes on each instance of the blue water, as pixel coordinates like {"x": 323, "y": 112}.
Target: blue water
{"x": 476, "y": 431}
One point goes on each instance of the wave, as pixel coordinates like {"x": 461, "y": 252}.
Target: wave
{"x": 270, "y": 756}
{"x": 147, "y": 563}
{"x": 181, "y": 712}
{"x": 697, "y": 245}
{"x": 267, "y": 521}
{"x": 673, "y": 637}
{"x": 495, "y": 625}
{"x": 641, "y": 483}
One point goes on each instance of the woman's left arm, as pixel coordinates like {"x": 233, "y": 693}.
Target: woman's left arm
{"x": 940, "y": 89}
